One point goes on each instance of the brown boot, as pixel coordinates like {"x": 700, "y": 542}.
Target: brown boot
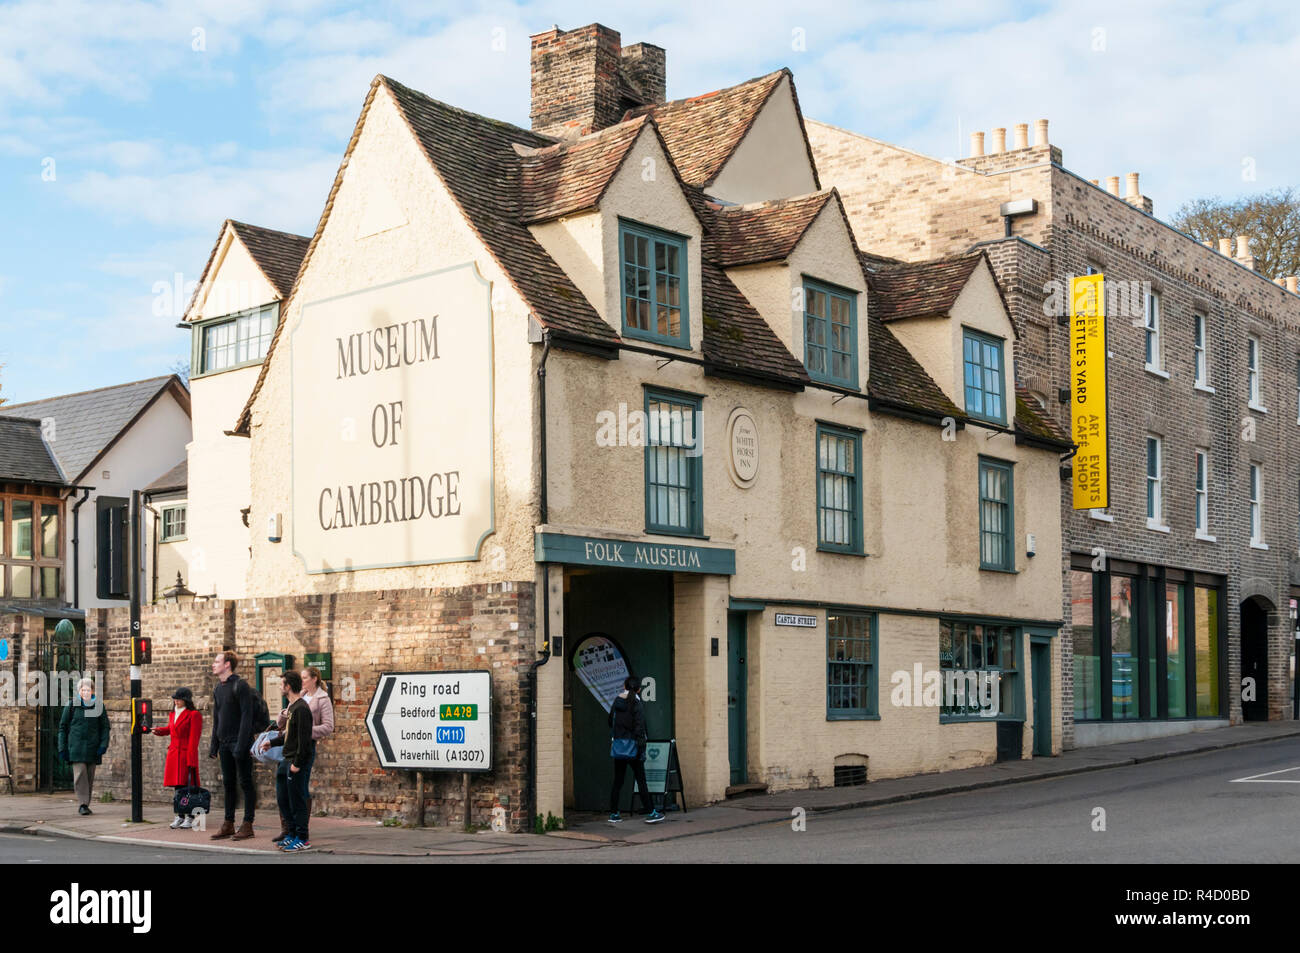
{"x": 284, "y": 830}
{"x": 227, "y": 830}
{"x": 245, "y": 831}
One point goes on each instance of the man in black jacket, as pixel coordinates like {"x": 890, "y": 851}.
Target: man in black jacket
{"x": 232, "y": 739}
{"x": 291, "y": 775}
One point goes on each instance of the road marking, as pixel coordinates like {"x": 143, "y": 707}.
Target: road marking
{"x": 1266, "y": 779}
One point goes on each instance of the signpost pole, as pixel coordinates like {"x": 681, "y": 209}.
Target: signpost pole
{"x": 137, "y": 749}
{"x": 465, "y": 794}
{"x": 419, "y": 799}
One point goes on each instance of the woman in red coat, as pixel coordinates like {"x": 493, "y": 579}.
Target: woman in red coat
{"x": 184, "y": 725}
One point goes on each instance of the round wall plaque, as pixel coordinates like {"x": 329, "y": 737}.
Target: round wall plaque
{"x": 742, "y": 436}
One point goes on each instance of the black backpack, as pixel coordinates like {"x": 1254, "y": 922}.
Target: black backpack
{"x": 261, "y": 714}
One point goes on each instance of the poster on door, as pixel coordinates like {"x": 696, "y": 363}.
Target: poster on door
{"x": 600, "y": 666}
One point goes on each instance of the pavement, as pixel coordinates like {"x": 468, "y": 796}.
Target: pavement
{"x": 56, "y": 814}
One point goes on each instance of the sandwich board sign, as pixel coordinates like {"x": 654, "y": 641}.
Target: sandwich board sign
{"x": 432, "y": 721}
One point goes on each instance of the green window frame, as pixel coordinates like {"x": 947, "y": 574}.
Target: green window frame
{"x": 985, "y": 376}
{"x": 654, "y": 294}
{"x": 674, "y": 464}
{"x": 839, "y": 490}
{"x": 997, "y": 507}
{"x": 852, "y": 678}
{"x": 830, "y": 344}
{"x": 173, "y": 522}
{"x": 990, "y": 650}
{"x": 234, "y": 341}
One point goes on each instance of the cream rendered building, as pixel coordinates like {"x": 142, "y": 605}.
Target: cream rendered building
{"x": 639, "y": 365}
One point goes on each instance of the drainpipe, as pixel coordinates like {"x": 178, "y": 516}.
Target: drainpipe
{"x": 76, "y": 545}
{"x": 546, "y": 592}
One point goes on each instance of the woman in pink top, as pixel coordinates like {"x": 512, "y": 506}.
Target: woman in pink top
{"x": 317, "y": 698}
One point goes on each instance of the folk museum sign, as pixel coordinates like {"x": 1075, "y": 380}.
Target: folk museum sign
{"x": 392, "y": 424}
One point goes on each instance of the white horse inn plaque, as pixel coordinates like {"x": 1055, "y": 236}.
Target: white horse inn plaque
{"x": 392, "y": 424}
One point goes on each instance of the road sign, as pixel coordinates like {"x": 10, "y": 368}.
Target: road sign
{"x": 432, "y": 721}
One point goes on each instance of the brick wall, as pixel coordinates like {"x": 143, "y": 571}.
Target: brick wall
{"x": 483, "y": 627}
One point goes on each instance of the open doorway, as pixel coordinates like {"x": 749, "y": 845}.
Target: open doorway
{"x": 1254, "y": 659}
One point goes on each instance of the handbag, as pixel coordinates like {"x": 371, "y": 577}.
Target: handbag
{"x": 271, "y": 755}
{"x": 622, "y": 749}
{"x": 192, "y": 799}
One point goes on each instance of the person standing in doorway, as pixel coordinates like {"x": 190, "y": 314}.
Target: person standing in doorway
{"x": 83, "y": 739}
{"x": 232, "y": 739}
{"x": 627, "y": 748}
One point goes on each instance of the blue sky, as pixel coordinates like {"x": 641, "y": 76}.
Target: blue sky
{"x": 130, "y": 130}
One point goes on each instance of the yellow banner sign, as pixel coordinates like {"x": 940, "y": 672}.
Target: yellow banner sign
{"x": 1088, "y": 392}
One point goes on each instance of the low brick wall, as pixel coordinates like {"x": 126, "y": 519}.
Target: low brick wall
{"x": 483, "y": 627}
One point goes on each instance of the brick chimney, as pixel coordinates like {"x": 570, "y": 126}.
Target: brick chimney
{"x": 584, "y": 80}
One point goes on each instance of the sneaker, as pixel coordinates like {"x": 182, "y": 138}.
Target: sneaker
{"x": 176, "y": 822}
{"x": 616, "y": 818}
{"x": 655, "y": 817}
{"x": 187, "y": 823}
{"x": 83, "y": 810}
{"x": 288, "y": 843}
{"x": 304, "y": 844}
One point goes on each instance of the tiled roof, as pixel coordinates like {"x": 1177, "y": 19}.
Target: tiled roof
{"x": 278, "y": 254}
{"x": 85, "y": 424}
{"x": 573, "y": 175}
{"x": 898, "y": 379}
{"x": 763, "y": 231}
{"x": 736, "y": 338}
{"x": 919, "y": 289}
{"x": 24, "y": 455}
{"x": 476, "y": 159}
{"x": 1037, "y": 422}
{"x": 702, "y": 132}
{"x": 177, "y": 478}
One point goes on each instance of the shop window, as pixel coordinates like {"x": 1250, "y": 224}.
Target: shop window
{"x": 850, "y": 666}
{"x": 982, "y": 363}
{"x": 980, "y": 669}
{"x": 1123, "y": 650}
{"x": 653, "y": 269}
{"x": 1087, "y": 656}
{"x": 830, "y": 333}
{"x": 1176, "y": 650}
{"x": 839, "y": 490}
{"x": 1207, "y": 652}
{"x": 173, "y": 523}
{"x": 673, "y": 470}
{"x": 997, "y": 516}
{"x": 237, "y": 341}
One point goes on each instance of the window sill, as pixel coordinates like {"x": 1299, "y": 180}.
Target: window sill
{"x": 675, "y": 533}
{"x": 1203, "y": 388}
{"x": 633, "y": 334}
{"x": 849, "y": 716}
{"x": 1257, "y": 409}
{"x": 1206, "y": 538}
{"x": 174, "y": 539}
{"x": 1099, "y": 515}
{"x": 840, "y": 552}
{"x": 1005, "y": 572}
{"x": 1155, "y": 527}
{"x": 1156, "y": 371}
{"x": 1255, "y": 544}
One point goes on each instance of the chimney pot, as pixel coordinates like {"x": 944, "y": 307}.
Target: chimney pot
{"x": 1112, "y": 184}
{"x": 1094, "y": 181}
{"x": 1243, "y": 246}
{"x": 1133, "y": 190}
{"x": 1293, "y": 284}
{"x": 976, "y": 144}
{"x": 1040, "y": 132}
{"x": 999, "y": 140}
{"x": 1279, "y": 280}
{"x": 1225, "y": 247}
{"x": 1022, "y": 135}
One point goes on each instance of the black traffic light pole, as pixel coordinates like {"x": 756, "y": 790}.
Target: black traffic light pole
{"x": 137, "y": 740}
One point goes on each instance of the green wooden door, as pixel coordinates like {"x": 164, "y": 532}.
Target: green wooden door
{"x": 1040, "y": 655}
{"x": 634, "y": 609}
{"x": 737, "y": 686}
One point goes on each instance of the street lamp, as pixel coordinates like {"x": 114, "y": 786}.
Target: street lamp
{"x": 178, "y": 594}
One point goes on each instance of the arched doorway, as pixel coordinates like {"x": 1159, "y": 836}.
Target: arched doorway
{"x": 1254, "y": 659}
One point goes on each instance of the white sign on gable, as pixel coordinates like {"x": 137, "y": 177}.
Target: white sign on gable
{"x": 391, "y": 392}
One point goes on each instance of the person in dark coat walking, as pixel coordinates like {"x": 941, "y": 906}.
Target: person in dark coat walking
{"x": 627, "y": 723}
{"x": 83, "y": 739}
{"x": 232, "y": 739}
{"x": 184, "y": 726}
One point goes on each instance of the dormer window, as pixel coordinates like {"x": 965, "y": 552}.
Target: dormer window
{"x": 654, "y": 285}
{"x": 983, "y": 366}
{"x": 830, "y": 345}
{"x": 236, "y": 341}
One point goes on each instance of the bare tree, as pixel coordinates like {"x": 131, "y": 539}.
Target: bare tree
{"x": 1271, "y": 219}
{"x": 182, "y": 370}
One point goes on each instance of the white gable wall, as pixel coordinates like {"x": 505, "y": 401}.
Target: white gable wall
{"x": 771, "y": 161}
